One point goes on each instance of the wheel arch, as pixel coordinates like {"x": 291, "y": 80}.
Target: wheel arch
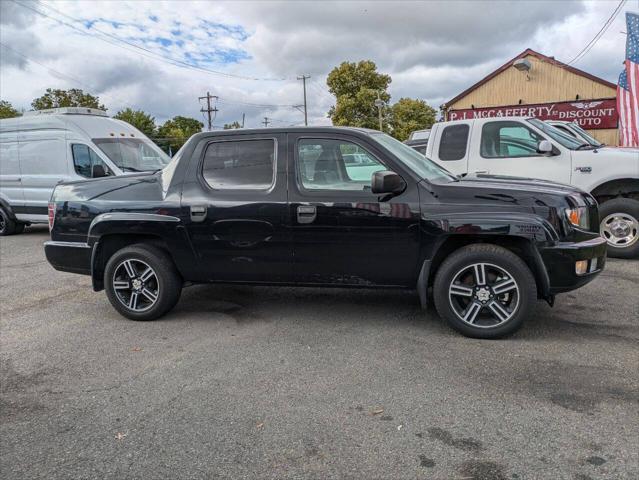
{"x": 523, "y": 247}
{"x": 620, "y": 187}
{"x": 6, "y": 206}
{"x": 109, "y": 244}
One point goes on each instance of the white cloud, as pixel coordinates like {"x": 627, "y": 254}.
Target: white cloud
{"x": 433, "y": 50}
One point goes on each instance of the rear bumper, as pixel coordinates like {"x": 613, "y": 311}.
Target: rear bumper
{"x": 74, "y": 257}
{"x": 560, "y": 260}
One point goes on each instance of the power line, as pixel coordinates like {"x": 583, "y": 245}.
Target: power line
{"x": 257, "y": 105}
{"x": 79, "y": 82}
{"x": 170, "y": 60}
{"x": 599, "y": 34}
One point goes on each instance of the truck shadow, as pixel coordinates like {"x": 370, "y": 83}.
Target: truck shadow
{"x": 568, "y": 320}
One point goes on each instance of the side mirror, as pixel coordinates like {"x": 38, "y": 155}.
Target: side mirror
{"x": 386, "y": 181}
{"x": 544, "y": 146}
{"x": 98, "y": 171}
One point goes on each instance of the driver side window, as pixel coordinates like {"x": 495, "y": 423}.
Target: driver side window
{"x": 508, "y": 140}
{"x": 84, "y": 159}
{"x": 327, "y": 164}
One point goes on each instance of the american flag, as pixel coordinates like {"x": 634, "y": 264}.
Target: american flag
{"x": 628, "y": 87}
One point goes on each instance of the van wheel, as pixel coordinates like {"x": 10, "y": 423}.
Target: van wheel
{"x": 620, "y": 227}
{"x": 7, "y": 224}
{"x": 141, "y": 282}
{"x": 484, "y": 291}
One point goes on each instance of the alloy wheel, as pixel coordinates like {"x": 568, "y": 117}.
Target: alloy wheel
{"x": 620, "y": 230}
{"x": 3, "y": 223}
{"x": 136, "y": 285}
{"x": 484, "y": 295}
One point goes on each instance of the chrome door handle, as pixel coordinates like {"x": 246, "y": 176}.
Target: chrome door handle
{"x": 306, "y": 213}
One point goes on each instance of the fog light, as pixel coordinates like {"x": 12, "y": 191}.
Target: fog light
{"x": 581, "y": 267}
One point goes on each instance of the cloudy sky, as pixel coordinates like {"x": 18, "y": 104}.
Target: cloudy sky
{"x": 161, "y": 56}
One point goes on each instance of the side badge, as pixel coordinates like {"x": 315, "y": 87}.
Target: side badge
{"x": 583, "y": 169}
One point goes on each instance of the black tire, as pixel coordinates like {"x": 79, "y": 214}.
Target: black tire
{"x": 165, "y": 284}
{"x": 501, "y": 267}
{"x": 7, "y": 224}
{"x": 19, "y": 228}
{"x": 627, "y": 211}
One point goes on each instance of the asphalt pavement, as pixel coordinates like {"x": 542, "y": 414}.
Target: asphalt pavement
{"x": 275, "y": 383}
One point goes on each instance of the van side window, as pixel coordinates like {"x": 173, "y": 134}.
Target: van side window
{"x": 240, "y": 164}
{"x": 84, "y": 159}
{"x": 452, "y": 145}
{"x": 327, "y": 164}
{"x": 507, "y": 140}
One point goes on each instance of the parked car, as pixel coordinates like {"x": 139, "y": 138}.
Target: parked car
{"x": 45, "y": 147}
{"x": 418, "y": 140}
{"x": 575, "y": 131}
{"x": 282, "y": 207}
{"x": 528, "y": 147}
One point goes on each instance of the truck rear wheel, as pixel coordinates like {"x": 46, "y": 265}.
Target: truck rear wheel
{"x": 141, "y": 282}
{"x": 484, "y": 291}
{"x": 620, "y": 227}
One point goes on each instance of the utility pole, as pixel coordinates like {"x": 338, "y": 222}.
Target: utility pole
{"x": 208, "y": 109}
{"x": 266, "y": 121}
{"x": 243, "y": 116}
{"x": 379, "y": 104}
{"x": 303, "y": 78}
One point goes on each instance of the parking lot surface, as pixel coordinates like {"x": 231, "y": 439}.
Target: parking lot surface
{"x": 260, "y": 382}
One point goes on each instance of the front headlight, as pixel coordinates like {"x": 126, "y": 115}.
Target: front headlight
{"x": 578, "y": 217}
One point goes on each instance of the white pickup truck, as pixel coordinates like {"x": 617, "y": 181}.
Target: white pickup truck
{"x": 527, "y": 147}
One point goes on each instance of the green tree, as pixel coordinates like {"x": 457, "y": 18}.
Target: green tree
{"x": 408, "y": 115}
{"x": 139, "y": 119}
{"x": 75, "y": 97}
{"x": 230, "y": 126}
{"x": 356, "y": 87}
{"x": 7, "y": 110}
{"x": 176, "y": 131}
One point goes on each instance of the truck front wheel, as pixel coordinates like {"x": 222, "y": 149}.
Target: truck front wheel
{"x": 484, "y": 291}
{"x": 620, "y": 226}
{"x": 141, "y": 282}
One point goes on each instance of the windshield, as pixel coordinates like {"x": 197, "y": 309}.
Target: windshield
{"x": 422, "y": 166}
{"x": 564, "y": 139}
{"x": 589, "y": 138}
{"x": 133, "y": 154}
{"x": 420, "y": 135}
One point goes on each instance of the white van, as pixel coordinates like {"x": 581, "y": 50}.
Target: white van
{"x": 45, "y": 147}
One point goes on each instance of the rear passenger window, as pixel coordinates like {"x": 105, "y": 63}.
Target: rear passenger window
{"x": 84, "y": 158}
{"x": 452, "y": 145}
{"x": 238, "y": 164}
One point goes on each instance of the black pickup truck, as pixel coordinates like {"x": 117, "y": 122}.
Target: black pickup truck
{"x": 327, "y": 207}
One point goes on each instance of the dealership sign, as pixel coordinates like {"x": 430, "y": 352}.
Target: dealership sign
{"x": 589, "y": 114}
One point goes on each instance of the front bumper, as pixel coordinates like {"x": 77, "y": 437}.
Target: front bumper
{"x": 560, "y": 260}
{"x": 74, "y": 257}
